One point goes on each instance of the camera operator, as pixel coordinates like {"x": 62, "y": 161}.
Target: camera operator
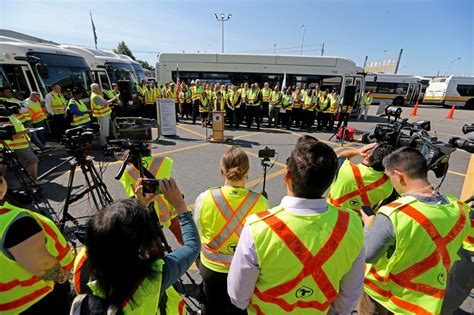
{"x": 412, "y": 242}
{"x": 363, "y": 184}
{"x": 77, "y": 110}
{"x": 101, "y": 110}
{"x": 125, "y": 260}
{"x": 274, "y": 270}
{"x": 35, "y": 261}
{"x": 220, "y": 213}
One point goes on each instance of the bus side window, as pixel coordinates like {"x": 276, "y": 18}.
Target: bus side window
{"x": 17, "y": 80}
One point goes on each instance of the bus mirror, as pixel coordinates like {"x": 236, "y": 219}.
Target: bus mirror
{"x": 42, "y": 69}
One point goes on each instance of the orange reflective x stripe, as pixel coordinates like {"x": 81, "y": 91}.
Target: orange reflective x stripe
{"x": 77, "y": 274}
{"x": 62, "y": 250}
{"x": 362, "y": 189}
{"x": 181, "y": 307}
{"x": 405, "y": 277}
{"x": 15, "y": 283}
{"x": 24, "y": 299}
{"x": 312, "y": 265}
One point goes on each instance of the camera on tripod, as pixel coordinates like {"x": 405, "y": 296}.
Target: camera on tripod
{"x": 464, "y": 144}
{"x": 77, "y": 140}
{"x": 120, "y": 145}
{"x": 415, "y": 135}
{"x": 266, "y": 154}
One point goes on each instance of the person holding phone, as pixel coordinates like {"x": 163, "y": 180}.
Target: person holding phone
{"x": 363, "y": 184}
{"x": 220, "y": 213}
{"x": 126, "y": 264}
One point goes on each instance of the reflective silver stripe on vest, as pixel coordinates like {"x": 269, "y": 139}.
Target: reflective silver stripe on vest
{"x": 233, "y": 219}
{"x": 164, "y": 212}
{"x": 155, "y": 166}
{"x": 133, "y": 172}
{"x": 217, "y": 257}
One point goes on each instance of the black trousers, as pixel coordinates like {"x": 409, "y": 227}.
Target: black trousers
{"x": 232, "y": 117}
{"x": 253, "y": 111}
{"x": 216, "y": 299}
{"x": 296, "y": 116}
{"x": 286, "y": 119}
{"x": 186, "y": 110}
{"x": 308, "y": 119}
{"x": 243, "y": 112}
{"x": 57, "y": 301}
{"x": 196, "y": 104}
{"x": 59, "y": 124}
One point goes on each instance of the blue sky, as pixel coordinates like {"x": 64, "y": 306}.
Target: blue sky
{"x": 431, "y": 32}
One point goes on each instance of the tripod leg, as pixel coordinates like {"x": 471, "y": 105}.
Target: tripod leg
{"x": 65, "y": 211}
{"x": 101, "y": 185}
{"x": 90, "y": 188}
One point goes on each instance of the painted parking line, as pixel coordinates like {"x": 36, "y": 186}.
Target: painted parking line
{"x": 192, "y": 131}
{"x": 456, "y": 173}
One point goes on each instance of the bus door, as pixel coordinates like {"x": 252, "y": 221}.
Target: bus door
{"x": 410, "y": 94}
{"x": 20, "y": 85}
{"x": 416, "y": 93}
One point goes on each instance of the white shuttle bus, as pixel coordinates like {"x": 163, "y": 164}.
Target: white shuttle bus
{"x": 328, "y": 72}
{"x": 452, "y": 90}
{"x": 27, "y": 67}
{"x": 396, "y": 89}
{"x": 139, "y": 71}
{"x": 107, "y": 67}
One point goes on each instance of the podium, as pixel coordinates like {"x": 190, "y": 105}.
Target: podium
{"x": 217, "y": 127}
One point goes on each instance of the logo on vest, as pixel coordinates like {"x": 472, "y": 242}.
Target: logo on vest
{"x": 232, "y": 247}
{"x": 355, "y": 203}
{"x": 145, "y": 164}
{"x": 442, "y": 278}
{"x": 304, "y": 292}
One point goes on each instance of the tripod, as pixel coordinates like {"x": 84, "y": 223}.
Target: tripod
{"x": 343, "y": 127}
{"x": 265, "y": 166}
{"x": 94, "y": 186}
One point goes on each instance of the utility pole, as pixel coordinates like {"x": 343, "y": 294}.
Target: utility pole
{"x": 222, "y": 18}
{"x": 322, "y": 50}
{"x": 450, "y": 64}
{"x": 302, "y": 40}
{"x": 398, "y": 60}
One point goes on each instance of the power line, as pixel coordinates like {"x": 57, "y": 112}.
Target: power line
{"x": 279, "y": 49}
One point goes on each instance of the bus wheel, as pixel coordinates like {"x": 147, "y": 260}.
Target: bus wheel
{"x": 399, "y": 101}
{"x": 469, "y": 104}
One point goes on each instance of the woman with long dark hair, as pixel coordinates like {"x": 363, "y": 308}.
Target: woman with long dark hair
{"x": 126, "y": 262}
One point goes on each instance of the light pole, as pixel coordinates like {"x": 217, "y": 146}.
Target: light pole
{"x": 384, "y": 53}
{"x": 450, "y": 64}
{"x": 222, "y": 18}
{"x": 274, "y": 48}
{"x": 302, "y": 40}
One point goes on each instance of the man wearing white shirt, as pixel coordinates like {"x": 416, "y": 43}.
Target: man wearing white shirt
{"x": 302, "y": 256}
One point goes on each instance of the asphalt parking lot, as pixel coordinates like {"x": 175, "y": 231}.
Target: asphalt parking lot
{"x": 196, "y": 161}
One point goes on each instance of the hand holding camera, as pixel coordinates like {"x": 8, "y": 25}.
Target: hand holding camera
{"x": 146, "y": 189}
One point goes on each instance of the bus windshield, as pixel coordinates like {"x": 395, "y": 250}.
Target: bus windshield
{"x": 67, "y": 71}
{"x": 122, "y": 71}
{"x": 139, "y": 72}
{"x": 3, "y": 79}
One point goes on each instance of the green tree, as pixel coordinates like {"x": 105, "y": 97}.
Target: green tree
{"x": 145, "y": 64}
{"x": 123, "y": 49}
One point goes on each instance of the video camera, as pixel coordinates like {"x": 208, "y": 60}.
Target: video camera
{"x": 415, "y": 135}
{"x": 77, "y": 140}
{"x": 464, "y": 144}
{"x": 8, "y": 108}
{"x": 121, "y": 145}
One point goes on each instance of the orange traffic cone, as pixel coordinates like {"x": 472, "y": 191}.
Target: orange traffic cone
{"x": 451, "y": 113}
{"x": 413, "y": 113}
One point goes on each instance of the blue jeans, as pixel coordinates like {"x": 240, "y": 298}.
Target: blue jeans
{"x": 41, "y": 134}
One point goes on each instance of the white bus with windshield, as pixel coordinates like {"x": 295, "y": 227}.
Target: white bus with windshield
{"x": 107, "y": 67}
{"x": 328, "y": 72}
{"x": 27, "y": 67}
{"x": 452, "y": 90}
{"x": 396, "y": 89}
{"x": 139, "y": 71}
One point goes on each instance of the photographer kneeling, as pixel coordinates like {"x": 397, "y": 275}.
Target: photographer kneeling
{"x": 126, "y": 263}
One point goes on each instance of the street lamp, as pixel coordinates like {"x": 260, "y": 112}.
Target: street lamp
{"x": 450, "y": 64}
{"x": 222, "y": 18}
{"x": 302, "y": 40}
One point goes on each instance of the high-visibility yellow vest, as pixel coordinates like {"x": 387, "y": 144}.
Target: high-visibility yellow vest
{"x": 197, "y": 91}
{"x": 308, "y": 103}
{"x": 222, "y": 214}
{"x": 99, "y": 110}
{"x": 286, "y": 102}
{"x": 244, "y": 92}
{"x": 149, "y": 98}
{"x": 81, "y": 277}
{"x": 367, "y": 100}
{"x": 203, "y": 104}
{"x": 171, "y": 93}
{"x": 185, "y": 96}
{"x": 22, "y": 117}
{"x": 413, "y": 279}
{"x": 234, "y": 98}
{"x": 266, "y": 94}
{"x": 357, "y": 186}
{"x": 19, "y": 141}
{"x": 253, "y": 97}
{"x": 108, "y": 93}
{"x": 334, "y": 104}
{"x": 222, "y": 104}
{"x": 19, "y": 288}
{"x": 58, "y": 103}
{"x": 297, "y": 102}
{"x": 276, "y": 98}
{"x": 36, "y": 111}
{"x": 300, "y": 271}
{"x": 468, "y": 243}
{"x": 159, "y": 167}
{"x": 78, "y": 120}
{"x": 156, "y": 93}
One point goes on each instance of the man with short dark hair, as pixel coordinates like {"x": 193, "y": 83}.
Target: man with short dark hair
{"x": 363, "y": 184}
{"x": 302, "y": 256}
{"x": 412, "y": 242}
